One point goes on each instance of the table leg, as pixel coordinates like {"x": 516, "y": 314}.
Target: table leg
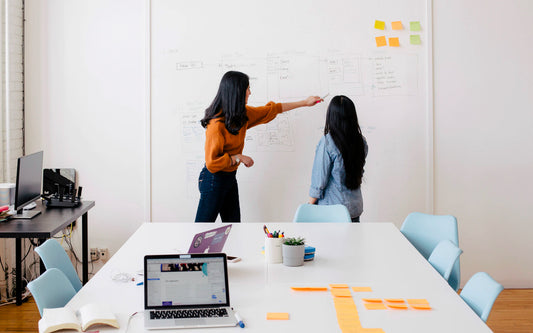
{"x": 85, "y": 248}
{"x": 18, "y": 271}
{"x": 41, "y": 265}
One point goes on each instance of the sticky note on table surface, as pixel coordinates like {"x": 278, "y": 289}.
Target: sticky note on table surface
{"x": 394, "y": 41}
{"x": 340, "y": 292}
{"x": 373, "y": 300}
{"x": 414, "y": 26}
{"x": 397, "y": 25}
{"x": 415, "y": 39}
{"x": 379, "y": 25}
{"x": 421, "y": 306}
{"x": 277, "y": 316}
{"x": 375, "y": 306}
{"x": 309, "y": 288}
{"x": 338, "y": 285}
{"x": 394, "y": 300}
{"x": 361, "y": 289}
{"x": 417, "y": 301}
{"x": 381, "y": 41}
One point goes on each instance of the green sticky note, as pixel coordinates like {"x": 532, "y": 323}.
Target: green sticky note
{"x": 415, "y": 39}
{"x": 415, "y": 26}
{"x": 379, "y": 25}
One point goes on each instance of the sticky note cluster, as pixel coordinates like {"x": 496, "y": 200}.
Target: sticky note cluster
{"x": 397, "y": 26}
{"x": 395, "y": 304}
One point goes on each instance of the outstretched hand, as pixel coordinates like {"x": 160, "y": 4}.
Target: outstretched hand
{"x": 247, "y": 161}
{"x": 312, "y": 100}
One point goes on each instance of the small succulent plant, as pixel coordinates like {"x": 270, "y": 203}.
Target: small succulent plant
{"x": 294, "y": 241}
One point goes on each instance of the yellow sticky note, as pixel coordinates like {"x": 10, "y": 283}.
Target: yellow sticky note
{"x": 417, "y": 301}
{"x": 379, "y": 25}
{"x": 277, "y": 316}
{"x": 341, "y": 292}
{"x": 397, "y": 306}
{"x": 361, "y": 289}
{"x": 415, "y": 39}
{"x": 394, "y": 41}
{"x": 397, "y": 25}
{"x": 372, "y": 300}
{"x": 415, "y": 26}
{"x": 375, "y": 306}
{"x": 381, "y": 41}
{"x": 371, "y": 330}
{"x": 338, "y": 285}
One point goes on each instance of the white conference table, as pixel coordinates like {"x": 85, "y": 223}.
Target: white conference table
{"x": 372, "y": 255}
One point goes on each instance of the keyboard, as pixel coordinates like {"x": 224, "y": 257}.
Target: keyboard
{"x": 188, "y": 313}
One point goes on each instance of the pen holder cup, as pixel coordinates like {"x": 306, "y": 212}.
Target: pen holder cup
{"x": 273, "y": 250}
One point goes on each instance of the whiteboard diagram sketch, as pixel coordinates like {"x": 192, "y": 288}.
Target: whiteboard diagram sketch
{"x": 330, "y": 51}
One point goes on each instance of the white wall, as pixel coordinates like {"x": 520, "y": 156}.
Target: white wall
{"x": 86, "y": 99}
{"x": 86, "y": 104}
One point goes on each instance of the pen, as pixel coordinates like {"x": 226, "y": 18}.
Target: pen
{"x": 325, "y": 96}
{"x": 239, "y": 319}
{"x": 139, "y": 284}
{"x": 265, "y": 229}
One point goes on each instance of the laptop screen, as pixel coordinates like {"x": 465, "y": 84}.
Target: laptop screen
{"x": 185, "y": 281}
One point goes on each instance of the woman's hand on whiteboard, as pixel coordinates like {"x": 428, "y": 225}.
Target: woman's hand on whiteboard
{"x": 312, "y": 100}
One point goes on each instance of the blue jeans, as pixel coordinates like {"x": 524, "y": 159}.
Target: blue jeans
{"x": 219, "y": 194}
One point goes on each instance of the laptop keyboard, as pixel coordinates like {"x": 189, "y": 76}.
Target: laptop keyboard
{"x": 196, "y": 313}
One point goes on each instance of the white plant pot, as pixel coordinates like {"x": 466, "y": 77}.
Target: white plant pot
{"x": 293, "y": 255}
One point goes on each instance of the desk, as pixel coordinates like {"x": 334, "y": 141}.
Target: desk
{"x": 358, "y": 254}
{"x": 43, "y": 226}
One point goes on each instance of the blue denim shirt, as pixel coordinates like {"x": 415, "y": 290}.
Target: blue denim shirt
{"x": 327, "y": 178}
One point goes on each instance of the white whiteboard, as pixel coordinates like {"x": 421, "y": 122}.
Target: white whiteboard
{"x": 290, "y": 50}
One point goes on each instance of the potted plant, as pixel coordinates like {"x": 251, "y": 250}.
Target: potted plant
{"x": 293, "y": 251}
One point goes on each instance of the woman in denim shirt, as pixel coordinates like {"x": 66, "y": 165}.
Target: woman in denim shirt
{"x": 340, "y": 159}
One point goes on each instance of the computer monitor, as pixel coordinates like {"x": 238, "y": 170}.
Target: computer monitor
{"x": 28, "y": 186}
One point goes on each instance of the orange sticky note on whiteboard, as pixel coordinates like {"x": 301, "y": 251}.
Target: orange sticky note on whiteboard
{"x": 361, "y": 289}
{"x": 421, "y": 306}
{"x": 397, "y": 25}
{"x": 381, "y": 41}
{"x": 394, "y": 41}
{"x": 277, "y": 316}
{"x": 397, "y": 306}
{"x": 338, "y": 292}
{"x": 375, "y": 306}
{"x": 417, "y": 301}
{"x": 338, "y": 285}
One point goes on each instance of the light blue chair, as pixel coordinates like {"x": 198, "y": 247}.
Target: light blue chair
{"x": 444, "y": 256}
{"x": 322, "y": 213}
{"x": 51, "y": 290}
{"x": 480, "y": 293}
{"x": 54, "y": 256}
{"x": 425, "y": 231}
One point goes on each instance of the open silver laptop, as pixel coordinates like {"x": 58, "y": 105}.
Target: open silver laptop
{"x": 186, "y": 291}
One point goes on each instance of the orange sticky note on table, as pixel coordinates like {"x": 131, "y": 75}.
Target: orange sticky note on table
{"x": 338, "y": 285}
{"x": 421, "y": 306}
{"x": 417, "y": 301}
{"x": 397, "y": 306}
{"x": 394, "y": 300}
{"x": 372, "y": 300}
{"x": 375, "y": 306}
{"x": 381, "y": 41}
{"x": 277, "y": 316}
{"x": 340, "y": 292}
{"x": 394, "y": 41}
{"x": 397, "y": 25}
{"x": 309, "y": 288}
{"x": 379, "y": 25}
{"x": 361, "y": 289}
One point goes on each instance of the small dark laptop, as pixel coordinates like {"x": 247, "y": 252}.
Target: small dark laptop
{"x": 186, "y": 291}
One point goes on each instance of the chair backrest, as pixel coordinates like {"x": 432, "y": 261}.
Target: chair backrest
{"x": 322, "y": 213}
{"x": 480, "y": 292}
{"x": 54, "y": 256}
{"x": 425, "y": 231}
{"x": 51, "y": 290}
{"x": 444, "y": 256}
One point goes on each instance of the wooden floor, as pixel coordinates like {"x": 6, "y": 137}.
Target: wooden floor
{"x": 512, "y": 313}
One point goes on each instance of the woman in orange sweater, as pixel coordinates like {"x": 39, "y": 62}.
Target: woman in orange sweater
{"x": 226, "y": 121}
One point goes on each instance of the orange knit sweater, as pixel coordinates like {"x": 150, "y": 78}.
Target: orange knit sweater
{"x": 220, "y": 144}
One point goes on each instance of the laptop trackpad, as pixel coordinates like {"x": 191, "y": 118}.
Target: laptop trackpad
{"x": 191, "y": 322}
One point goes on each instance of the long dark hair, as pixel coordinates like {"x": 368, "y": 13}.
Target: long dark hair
{"x": 343, "y": 126}
{"x": 230, "y": 102}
